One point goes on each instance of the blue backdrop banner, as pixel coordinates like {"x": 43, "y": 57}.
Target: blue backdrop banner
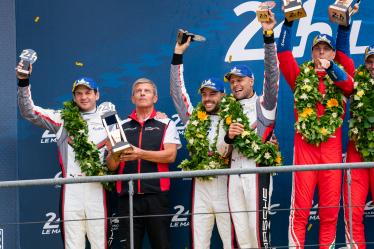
{"x": 115, "y": 42}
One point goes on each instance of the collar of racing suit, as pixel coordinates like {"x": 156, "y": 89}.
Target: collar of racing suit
{"x": 248, "y": 101}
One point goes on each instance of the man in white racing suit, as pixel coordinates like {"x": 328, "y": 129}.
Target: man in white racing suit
{"x": 249, "y": 194}
{"x": 83, "y": 205}
{"x": 209, "y": 196}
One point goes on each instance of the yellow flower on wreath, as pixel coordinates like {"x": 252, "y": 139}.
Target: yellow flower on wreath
{"x": 332, "y": 103}
{"x": 278, "y": 160}
{"x": 360, "y": 93}
{"x": 228, "y": 120}
{"x": 202, "y": 116}
{"x": 360, "y": 73}
{"x": 323, "y": 131}
{"x": 307, "y": 112}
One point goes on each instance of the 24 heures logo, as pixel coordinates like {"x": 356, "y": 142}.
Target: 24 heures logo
{"x": 181, "y": 217}
{"x": 48, "y": 137}
{"x": 52, "y": 225}
{"x": 178, "y": 123}
{"x": 369, "y": 210}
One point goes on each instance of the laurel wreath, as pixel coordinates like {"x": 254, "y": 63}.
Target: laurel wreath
{"x": 314, "y": 129}
{"x": 361, "y": 122}
{"x": 86, "y": 152}
{"x": 203, "y": 156}
{"x": 248, "y": 143}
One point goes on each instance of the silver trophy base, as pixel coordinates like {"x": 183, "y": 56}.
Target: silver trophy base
{"x": 119, "y": 148}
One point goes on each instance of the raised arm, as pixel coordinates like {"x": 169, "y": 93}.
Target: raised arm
{"x": 343, "y": 46}
{"x": 271, "y": 80}
{"x": 342, "y": 55}
{"x": 178, "y": 89}
{"x": 45, "y": 118}
{"x": 287, "y": 62}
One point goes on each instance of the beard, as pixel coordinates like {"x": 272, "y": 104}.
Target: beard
{"x": 212, "y": 110}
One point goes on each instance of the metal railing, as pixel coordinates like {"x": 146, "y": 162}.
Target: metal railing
{"x": 189, "y": 174}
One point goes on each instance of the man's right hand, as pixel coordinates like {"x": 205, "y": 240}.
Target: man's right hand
{"x": 321, "y": 64}
{"x": 235, "y": 129}
{"x": 22, "y": 76}
{"x": 269, "y": 25}
{"x": 181, "y": 48}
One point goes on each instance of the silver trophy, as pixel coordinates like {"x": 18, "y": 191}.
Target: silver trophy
{"x": 262, "y": 12}
{"x": 115, "y": 133}
{"x": 28, "y": 56}
{"x": 183, "y": 35}
{"x": 341, "y": 11}
{"x": 293, "y": 9}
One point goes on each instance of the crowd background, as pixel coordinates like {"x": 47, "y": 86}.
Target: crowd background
{"x": 116, "y": 42}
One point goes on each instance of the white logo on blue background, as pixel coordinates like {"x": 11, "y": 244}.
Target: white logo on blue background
{"x": 369, "y": 210}
{"x": 48, "y": 137}
{"x": 180, "y": 219}
{"x": 52, "y": 225}
{"x": 235, "y": 71}
{"x": 178, "y": 123}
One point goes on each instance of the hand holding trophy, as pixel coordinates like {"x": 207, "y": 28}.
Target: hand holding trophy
{"x": 183, "y": 35}
{"x": 268, "y": 26}
{"x": 341, "y": 11}
{"x": 293, "y": 9}
{"x": 116, "y": 134}
{"x": 263, "y": 11}
{"x": 28, "y": 57}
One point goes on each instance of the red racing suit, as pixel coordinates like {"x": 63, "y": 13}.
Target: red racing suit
{"x": 362, "y": 180}
{"x": 328, "y": 181}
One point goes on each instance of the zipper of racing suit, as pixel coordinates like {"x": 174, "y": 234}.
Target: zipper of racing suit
{"x": 140, "y": 146}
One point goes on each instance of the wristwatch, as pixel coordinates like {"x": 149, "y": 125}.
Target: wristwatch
{"x": 268, "y": 32}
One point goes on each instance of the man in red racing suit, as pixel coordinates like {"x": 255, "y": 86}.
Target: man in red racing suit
{"x": 325, "y": 55}
{"x": 361, "y": 179}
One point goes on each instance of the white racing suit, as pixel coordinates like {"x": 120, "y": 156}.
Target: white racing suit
{"x": 79, "y": 201}
{"x": 249, "y": 194}
{"x": 209, "y": 197}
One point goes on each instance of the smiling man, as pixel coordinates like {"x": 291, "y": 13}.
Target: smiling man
{"x": 83, "y": 204}
{"x": 209, "y": 195}
{"x": 249, "y": 194}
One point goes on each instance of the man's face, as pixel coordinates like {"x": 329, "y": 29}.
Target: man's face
{"x": 241, "y": 87}
{"x": 144, "y": 95}
{"x": 369, "y": 63}
{"x": 322, "y": 50}
{"x": 211, "y": 99}
{"x": 85, "y": 98}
